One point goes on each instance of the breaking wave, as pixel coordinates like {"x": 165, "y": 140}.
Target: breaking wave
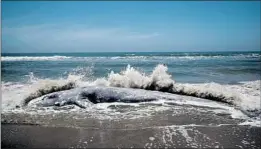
{"x": 50, "y": 89}
{"x": 131, "y": 57}
{"x": 33, "y": 58}
{"x": 244, "y": 96}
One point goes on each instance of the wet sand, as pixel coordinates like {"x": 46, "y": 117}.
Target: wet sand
{"x": 176, "y": 136}
{"x": 177, "y": 127}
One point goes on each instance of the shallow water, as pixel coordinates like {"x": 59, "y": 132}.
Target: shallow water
{"x": 226, "y": 84}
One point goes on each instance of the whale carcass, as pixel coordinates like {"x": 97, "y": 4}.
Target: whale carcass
{"x": 94, "y": 94}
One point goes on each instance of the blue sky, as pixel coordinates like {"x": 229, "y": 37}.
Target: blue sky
{"x": 67, "y": 26}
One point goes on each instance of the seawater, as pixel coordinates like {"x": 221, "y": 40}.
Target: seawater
{"x": 231, "y": 78}
{"x": 185, "y": 67}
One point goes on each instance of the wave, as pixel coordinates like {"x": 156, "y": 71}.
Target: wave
{"x": 190, "y": 57}
{"x": 159, "y": 79}
{"x": 130, "y": 56}
{"x": 33, "y": 58}
{"x": 187, "y": 57}
{"x": 247, "y": 99}
{"x": 19, "y": 94}
{"x": 244, "y": 96}
{"x": 50, "y": 89}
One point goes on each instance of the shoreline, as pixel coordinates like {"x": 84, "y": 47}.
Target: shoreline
{"x": 38, "y": 136}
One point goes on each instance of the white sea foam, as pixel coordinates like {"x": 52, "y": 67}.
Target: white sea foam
{"x": 34, "y": 58}
{"x": 129, "y": 57}
{"x": 187, "y": 57}
{"x": 252, "y": 122}
{"x": 244, "y": 96}
{"x": 13, "y": 94}
{"x": 132, "y": 78}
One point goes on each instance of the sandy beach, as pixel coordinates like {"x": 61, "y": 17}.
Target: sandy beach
{"x": 29, "y": 136}
{"x": 189, "y": 128}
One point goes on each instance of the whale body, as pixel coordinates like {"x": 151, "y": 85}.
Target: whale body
{"x": 93, "y": 95}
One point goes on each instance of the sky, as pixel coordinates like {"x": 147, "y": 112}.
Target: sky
{"x": 130, "y": 26}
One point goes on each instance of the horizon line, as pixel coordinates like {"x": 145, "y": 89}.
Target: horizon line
{"x": 132, "y": 52}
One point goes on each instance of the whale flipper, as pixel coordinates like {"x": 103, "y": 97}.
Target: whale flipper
{"x": 78, "y": 103}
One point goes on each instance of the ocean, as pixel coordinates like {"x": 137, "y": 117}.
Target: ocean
{"x": 191, "y": 67}
{"x": 168, "y": 90}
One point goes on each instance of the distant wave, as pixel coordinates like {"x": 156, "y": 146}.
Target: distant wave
{"x": 33, "y": 58}
{"x": 189, "y": 57}
{"x": 128, "y": 56}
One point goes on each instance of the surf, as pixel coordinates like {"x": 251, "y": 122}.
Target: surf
{"x": 158, "y": 56}
{"x": 243, "y": 96}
